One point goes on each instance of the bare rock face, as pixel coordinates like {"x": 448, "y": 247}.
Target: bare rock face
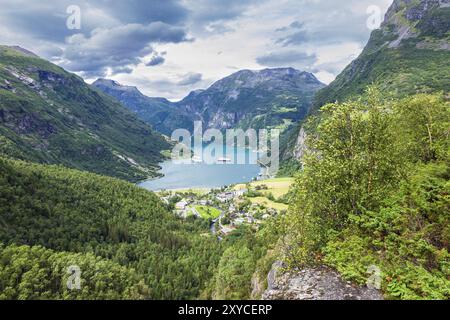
{"x": 300, "y": 146}
{"x": 319, "y": 283}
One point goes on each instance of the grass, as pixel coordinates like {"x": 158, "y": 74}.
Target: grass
{"x": 277, "y": 186}
{"x": 268, "y": 203}
{"x": 208, "y": 212}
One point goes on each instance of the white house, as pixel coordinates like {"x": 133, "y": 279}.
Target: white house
{"x": 181, "y": 205}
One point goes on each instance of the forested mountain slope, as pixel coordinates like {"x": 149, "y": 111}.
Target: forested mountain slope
{"x": 410, "y": 53}
{"x": 51, "y": 116}
{"x": 123, "y": 238}
{"x": 254, "y": 99}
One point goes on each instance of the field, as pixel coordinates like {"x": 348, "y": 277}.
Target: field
{"x": 277, "y": 186}
{"x": 208, "y": 212}
{"x": 269, "y": 204}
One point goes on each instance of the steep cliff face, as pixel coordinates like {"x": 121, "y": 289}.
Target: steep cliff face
{"x": 409, "y": 53}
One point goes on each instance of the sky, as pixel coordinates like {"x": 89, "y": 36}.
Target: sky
{"x": 168, "y": 48}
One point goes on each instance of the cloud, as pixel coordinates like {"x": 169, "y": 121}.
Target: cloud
{"x": 165, "y": 86}
{"x": 137, "y": 11}
{"x": 293, "y": 25}
{"x": 212, "y": 16}
{"x": 114, "y": 35}
{"x": 155, "y": 61}
{"x": 294, "y": 58}
{"x": 190, "y": 79}
{"x": 117, "y": 49}
{"x": 322, "y": 22}
{"x": 120, "y": 39}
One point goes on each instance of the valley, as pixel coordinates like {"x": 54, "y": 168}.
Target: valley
{"x": 359, "y": 209}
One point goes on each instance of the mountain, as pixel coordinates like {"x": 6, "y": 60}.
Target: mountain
{"x": 410, "y": 52}
{"x": 49, "y": 115}
{"x": 163, "y": 115}
{"x": 257, "y": 99}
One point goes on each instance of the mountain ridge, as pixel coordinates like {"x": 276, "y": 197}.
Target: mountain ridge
{"x": 247, "y": 98}
{"x": 409, "y": 53}
{"x": 49, "y": 115}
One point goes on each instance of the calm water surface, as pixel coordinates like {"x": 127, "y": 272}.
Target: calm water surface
{"x": 202, "y": 175}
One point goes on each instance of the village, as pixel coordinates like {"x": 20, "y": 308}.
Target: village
{"x": 231, "y": 207}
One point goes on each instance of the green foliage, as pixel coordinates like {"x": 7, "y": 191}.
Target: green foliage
{"x": 70, "y": 211}
{"x": 289, "y": 168}
{"x": 408, "y": 238}
{"x": 30, "y": 273}
{"x": 374, "y": 191}
{"x": 248, "y": 253}
{"x": 234, "y": 274}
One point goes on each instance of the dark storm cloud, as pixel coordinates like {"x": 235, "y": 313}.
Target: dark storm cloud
{"x": 114, "y": 36}
{"x": 117, "y": 49}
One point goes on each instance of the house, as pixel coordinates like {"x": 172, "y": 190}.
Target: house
{"x": 224, "y": 197}
{"x": 239, "y": 221}
{"x": 181, "y": 205}
{"x": 240, "y": 193}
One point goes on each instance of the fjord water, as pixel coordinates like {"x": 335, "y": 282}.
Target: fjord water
{"x": 203, "y": 175}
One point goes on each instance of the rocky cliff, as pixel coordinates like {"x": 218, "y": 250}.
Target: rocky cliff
{"x": 320, "y": 283}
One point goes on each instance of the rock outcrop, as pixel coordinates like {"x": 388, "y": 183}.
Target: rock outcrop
{"x": 319, "y": 283}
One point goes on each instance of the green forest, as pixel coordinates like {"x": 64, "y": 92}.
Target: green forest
{"x": 374, "y": 190}
{"x": 126, "y": 242}
{"x": 120, "y": 235}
